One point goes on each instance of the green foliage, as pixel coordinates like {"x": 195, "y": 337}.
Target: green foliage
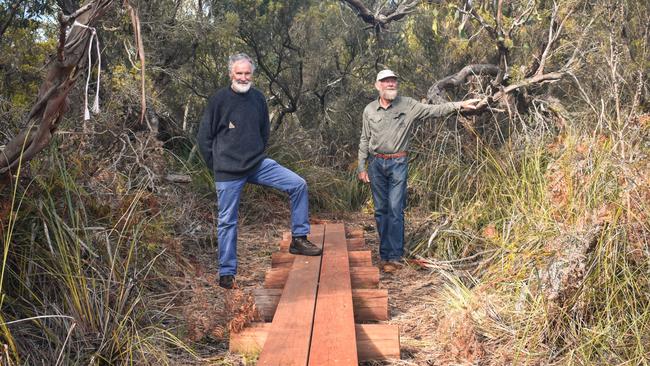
{"x": 22, "y": 68}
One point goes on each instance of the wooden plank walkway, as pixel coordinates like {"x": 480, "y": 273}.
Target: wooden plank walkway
{"x": 290, "y": 335}
{"x": 313, "y": 303}
{"x": 333, "y": 339}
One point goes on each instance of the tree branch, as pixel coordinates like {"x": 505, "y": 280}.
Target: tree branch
{"x": 554, "y": 31}
{"x": 437, "y": 90}
{"x": 68, "y": 6}
{"x": 500, "y": 95}
{"x": 51, "y": 102}
{"x": 380, "y": 19}
{"x": 135, "y": 21}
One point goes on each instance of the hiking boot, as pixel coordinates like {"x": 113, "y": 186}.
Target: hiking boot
{"x": 391, "y": 267}
{"x": 300, "y": 245}
{"x": 227, "y": 281}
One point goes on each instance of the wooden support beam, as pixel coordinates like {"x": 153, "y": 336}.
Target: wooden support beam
{"x": 374, "y": 341}
{"x": 266, "y": 301}
{"x": 356, "y": 233}
{"x": 362, "y": 277}
{"x": 369, "y": 304}
{"x": 360, "y": 258}
{"x": 377, "y": 341}
{"x": 354, "y": 244}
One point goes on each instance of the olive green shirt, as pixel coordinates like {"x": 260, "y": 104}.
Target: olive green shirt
{"x": 388, "y": 131}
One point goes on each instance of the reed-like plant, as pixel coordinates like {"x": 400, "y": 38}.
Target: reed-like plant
{"x": 544, "y": 244}
{"x": 76, "y": 286}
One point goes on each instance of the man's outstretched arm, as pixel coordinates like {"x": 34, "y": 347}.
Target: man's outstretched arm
{"x": 422, "y": 110}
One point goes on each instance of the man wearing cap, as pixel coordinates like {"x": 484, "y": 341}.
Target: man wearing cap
{"x": 388, "y": 124}
{"x": 233, "y": 135}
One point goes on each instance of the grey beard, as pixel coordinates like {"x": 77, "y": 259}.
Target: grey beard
{"x": 241, "y": 88}
{"x": 389, "y": 95}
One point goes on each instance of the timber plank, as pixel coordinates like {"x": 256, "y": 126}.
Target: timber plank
{"x": 374, "y": 341}
{"x": 353, "y": 244}
{"x": 361, "y": 258}
{"x": 356, "y": 233}
{"x": 305, "y": 328}
{"x": 362, "y": 277}
{"x": 377, "y": 341}
{"x": 333, "y": 336}
{"x": 368, "y": 304}
{"x": 266, "y": 301}
{"x": 290, "y": 334}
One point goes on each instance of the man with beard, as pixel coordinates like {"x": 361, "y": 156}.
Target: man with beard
{"x": 233, "y": 135}
{"x": 387, "y": 127}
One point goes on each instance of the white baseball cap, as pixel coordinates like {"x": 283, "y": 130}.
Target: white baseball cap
{"x": 383, "y": 74}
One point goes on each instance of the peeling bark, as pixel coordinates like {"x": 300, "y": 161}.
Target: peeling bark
{"x": 51, "y": 102}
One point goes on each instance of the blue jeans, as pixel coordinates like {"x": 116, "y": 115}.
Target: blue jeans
{"x": 388, "y": 179}
{"x": 270, "y": 174}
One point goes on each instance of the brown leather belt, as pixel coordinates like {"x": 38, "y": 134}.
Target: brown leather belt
{"x": 400, "y": 154}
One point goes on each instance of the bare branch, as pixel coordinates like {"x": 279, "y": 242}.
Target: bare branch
{"x": 523, "y": 17}
{"x": 135, "y": 20}
{"x": 467, "y": 9}
{"x": 554, "y": 32}
{"x": 67, "y": 19}
{"x": 437, "y": 90}
{"x": 380, "y": 18}
{"x": 495, "y": 31}
{"x": 362, "y": 11}
{"x": 500, "y": 95}
{"x": 499, "y": 15}
{"x": 402, "y": 10}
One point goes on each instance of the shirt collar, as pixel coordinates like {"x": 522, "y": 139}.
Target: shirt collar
{"x": 389, "y": 106}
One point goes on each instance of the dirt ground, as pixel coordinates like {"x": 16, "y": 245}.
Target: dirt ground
{"x": 211, "y": 313}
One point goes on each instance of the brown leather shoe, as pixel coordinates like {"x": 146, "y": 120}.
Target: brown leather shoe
{"x": 390, "y": 267}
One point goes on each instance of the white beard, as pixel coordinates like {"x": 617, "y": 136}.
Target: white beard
{"x": 241, "y": 87}
{"x": 389, "y": 95}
